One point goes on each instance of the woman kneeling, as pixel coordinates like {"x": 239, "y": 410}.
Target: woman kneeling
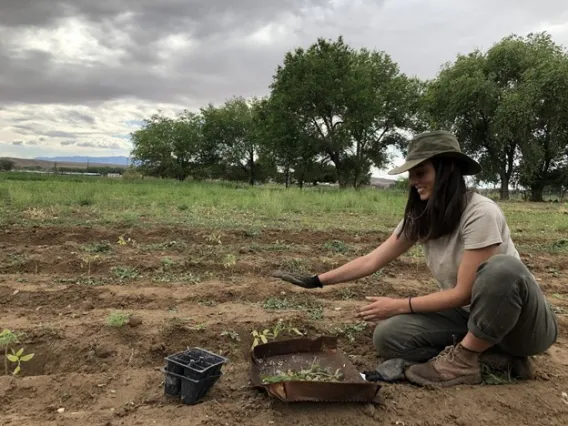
{"x": 490, "y": 306}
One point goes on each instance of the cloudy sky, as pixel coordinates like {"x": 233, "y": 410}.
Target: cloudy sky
{"x": 79, "y": 75}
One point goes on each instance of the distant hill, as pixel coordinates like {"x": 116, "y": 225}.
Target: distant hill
{"x": 115, "y": 161}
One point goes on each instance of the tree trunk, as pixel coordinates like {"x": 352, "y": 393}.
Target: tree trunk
{"x": 340, "y": 174}
{"x": 357, "y": 172}
{"x": 252, "y": 168}
{"x": 536, "y": 192}
{"x": 287, "y": 176}
{"x": 504, "y": 194}
{"x": 301, "y": 177}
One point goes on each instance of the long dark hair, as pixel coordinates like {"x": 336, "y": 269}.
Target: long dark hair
{"x": 441, "y": 213}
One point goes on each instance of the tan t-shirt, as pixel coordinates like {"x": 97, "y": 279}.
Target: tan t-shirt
{"x": 482, "y": 224}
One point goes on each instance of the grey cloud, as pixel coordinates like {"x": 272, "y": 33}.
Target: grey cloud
{"x": 24, "y": 129}
{"x": 79, "y": 117}
{"x": 214, "y": 22}
{"x": 220, "y": 61}
{"x": 110, "y": 145}
{"x": 167, "y": 16}
{"x": 17, "y": 142}
{"x": 59, "y": 134}
{"x": 23, "y": 13}
{"x": 32, "y": 143}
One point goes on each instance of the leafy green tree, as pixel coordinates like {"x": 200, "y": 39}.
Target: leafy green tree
{"x": 492, "y": 100}
{"x": 544, "y": 139}
{"x": 6, "y": 164}
{"x": 381, "y": 101}
{"x": 230, "y": 128}
{"x": 352, "y": 102}
{"x": 287, "y": 141}
{"x": 465, "y": 99}
{"x": 152, "y": 146}
{"x": 169, "y": 148}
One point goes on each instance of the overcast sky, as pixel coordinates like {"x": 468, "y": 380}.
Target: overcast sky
{"x": 81, "y": 74}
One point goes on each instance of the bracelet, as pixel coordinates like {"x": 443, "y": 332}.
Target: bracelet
{"x": 410, "y": 305}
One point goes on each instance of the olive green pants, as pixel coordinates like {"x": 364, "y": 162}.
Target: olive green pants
{"x": 508, "y": 310}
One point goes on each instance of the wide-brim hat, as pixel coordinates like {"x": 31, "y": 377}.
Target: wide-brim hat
{"x": 438, "y": 143}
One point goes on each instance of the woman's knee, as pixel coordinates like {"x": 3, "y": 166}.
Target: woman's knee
{"x": 506, "y": 270}
{"x": 387, "y": 338}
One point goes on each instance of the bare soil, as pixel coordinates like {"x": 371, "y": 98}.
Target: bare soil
{"x": 198, "y": 287}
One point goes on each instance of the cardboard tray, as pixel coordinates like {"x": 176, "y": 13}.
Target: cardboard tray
{"x": 300, "y": 353}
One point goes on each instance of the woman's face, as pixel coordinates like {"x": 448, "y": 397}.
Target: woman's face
{"x": 422, "y": 177}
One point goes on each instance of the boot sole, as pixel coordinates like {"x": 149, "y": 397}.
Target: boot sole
{"x": 467, "y": 380}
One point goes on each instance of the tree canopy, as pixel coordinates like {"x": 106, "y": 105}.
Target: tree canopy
{"x": 333, "y": 112}
{"x": 505, "y": 106}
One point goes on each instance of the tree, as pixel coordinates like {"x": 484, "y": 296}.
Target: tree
{"x": 352, "y": 101}
{"x": 490, "y": 101}
{"x": 6, "y": 164}
{"x": 465, "y": 99}
{"x": 287, "y": 140}
{"x": 544, "y": 143}
{"x": 381, "y": 101}
{"x": 230, "y": 127}
{"x": 169, "y": 148}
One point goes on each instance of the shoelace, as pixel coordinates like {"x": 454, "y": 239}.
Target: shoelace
{"x": 447, "y": 354}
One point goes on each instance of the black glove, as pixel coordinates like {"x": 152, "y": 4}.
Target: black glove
{"x": 391, "y": 370}
{"x": 311, "y": 281}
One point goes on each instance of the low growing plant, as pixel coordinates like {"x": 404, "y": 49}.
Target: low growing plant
{"x": 18, "y": 357}
{"x": 7, "y": 339}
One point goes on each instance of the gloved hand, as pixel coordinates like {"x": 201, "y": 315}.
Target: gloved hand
{"x": 391, "y": 370}
{"x": 310, "y": 281}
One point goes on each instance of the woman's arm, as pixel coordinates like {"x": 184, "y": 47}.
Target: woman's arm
{"x": 460, "y": 295}
{"x": 368, "y": 264}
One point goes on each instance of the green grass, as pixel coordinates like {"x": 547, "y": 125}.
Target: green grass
{"x": 95, "y": 200}
{"x": 29, "y": 199}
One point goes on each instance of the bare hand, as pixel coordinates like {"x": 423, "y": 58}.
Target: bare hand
{"x": 381, "y": 308}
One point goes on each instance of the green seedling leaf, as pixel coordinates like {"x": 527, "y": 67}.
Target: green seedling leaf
{"x": 16, "y": 370}
{"x": 27, "y": 357}
{"x": 20, "y": 352}
{"x": 12, "y": 358}
{"x": 263, "y": 338}
{"x": 298, "y": 332}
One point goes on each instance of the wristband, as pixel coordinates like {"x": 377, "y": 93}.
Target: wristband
{"x": 410, "y": 305}
{"x": 317, "y": 281}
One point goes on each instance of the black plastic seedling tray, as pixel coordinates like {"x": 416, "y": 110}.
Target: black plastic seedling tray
{"x": 195, "y": 363}
{"x": 189, "y": 390}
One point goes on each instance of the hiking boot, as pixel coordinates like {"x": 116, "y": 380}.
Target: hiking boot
{"x": 517, "y": 367}
{"x": 455, "y": 365}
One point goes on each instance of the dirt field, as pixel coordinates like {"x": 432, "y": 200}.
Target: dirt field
{"x": 198, "y": 287}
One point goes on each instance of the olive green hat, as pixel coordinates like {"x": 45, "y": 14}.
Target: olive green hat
{"x": 439, "y": 143}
